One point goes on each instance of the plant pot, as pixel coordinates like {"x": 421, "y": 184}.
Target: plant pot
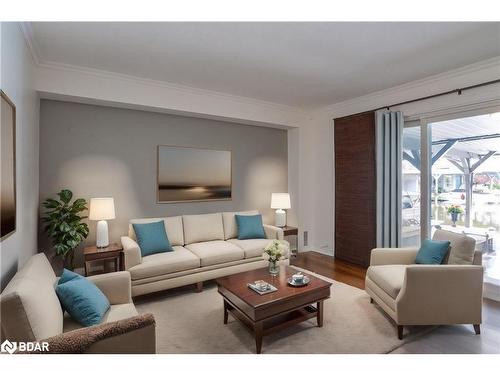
{"x": 454, "y": 218}
{"x": 69, "y": 261}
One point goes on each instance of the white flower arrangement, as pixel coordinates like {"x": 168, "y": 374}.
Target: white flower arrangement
{"x": 276, "y": 250}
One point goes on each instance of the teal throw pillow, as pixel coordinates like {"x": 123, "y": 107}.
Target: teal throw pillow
{"x": 432, "y": 252}
{"x": 82, "y": 299}
{"x": 250, "y": 226}
{"x": 152, "y": 238}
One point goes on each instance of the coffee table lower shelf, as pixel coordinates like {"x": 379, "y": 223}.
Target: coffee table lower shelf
{"x": 274, "y": 323}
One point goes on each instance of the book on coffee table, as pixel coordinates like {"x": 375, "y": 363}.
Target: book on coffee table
{"x": 262, "y": 287}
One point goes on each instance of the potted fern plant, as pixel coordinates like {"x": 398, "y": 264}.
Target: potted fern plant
{"x": 63, "y": 224}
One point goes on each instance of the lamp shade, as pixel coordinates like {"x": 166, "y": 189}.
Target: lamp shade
{"x": 280, "y": 201}
{"x": 102, "y": 209}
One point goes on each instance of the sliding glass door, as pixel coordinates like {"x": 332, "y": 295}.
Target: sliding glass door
{"x": 451, "y": 181}
{"x": 466, "y": 182}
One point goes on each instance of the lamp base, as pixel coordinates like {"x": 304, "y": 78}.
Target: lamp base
{"x": 102, "y": 239}
{"x": 280, "y": 218}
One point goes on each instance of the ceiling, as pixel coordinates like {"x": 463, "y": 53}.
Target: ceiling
{"x": 305, "y": 65}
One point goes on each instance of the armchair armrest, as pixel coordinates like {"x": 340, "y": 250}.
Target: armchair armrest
{"x": 127, "y": 336}
{"x": 478, "y": 258}
{"x": 403, "y": 255}
{"x": 272, "y": 232}
{"x": 116, "y": 286}
{"x": 131, "y": 252}
{"x": 441, "y": 294}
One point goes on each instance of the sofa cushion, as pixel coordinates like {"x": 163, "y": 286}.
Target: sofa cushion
{"x": 173, "y": 227}
{"x": 115, "y": 313}
{"x": 252, "y": 248}
{"x": 230, "y": 226}
{"x": 30, "y": 309}
{"x": 250, "y": 227}
{"x": 216, "y": 252}
{"x": 200, "y": 228}
{"x": 82, "y": 299}
{"x": 461, "y": 246}
{"x": 152, "y": 238}
{"x": 179, "y": 259}
{"x": 388, "y": 277}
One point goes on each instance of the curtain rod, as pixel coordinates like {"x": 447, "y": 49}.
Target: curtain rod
{"x": 457, "y": 91}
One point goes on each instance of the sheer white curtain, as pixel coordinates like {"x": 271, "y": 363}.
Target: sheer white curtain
{"x": 389, "y": 152}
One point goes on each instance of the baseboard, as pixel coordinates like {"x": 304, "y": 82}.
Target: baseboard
{"x": 491, "y": 291}
{"x": 328, "y": 252}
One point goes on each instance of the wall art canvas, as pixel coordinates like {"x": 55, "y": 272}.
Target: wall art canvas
{"x": 187, "y": 174}
{"x": 8, "y": 166}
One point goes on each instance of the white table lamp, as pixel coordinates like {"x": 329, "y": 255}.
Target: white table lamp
{"x": 102, "y": 209}
{"x": 280, "y": 202}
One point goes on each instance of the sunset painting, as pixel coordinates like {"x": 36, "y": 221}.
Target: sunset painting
{"x": 191, "y": 174}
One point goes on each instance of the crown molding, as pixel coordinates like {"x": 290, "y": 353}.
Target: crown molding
{"x": 171, "y": 86}
{"x": 425, "y": 86}
{"x": 27, "y": 31}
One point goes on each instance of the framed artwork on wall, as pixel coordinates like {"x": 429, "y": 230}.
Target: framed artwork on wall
{"x": 8, "y": 167}
{"x": 189, "y": 174}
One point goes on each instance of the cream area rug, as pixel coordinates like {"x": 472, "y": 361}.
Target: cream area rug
{"x": 189, "y": 322}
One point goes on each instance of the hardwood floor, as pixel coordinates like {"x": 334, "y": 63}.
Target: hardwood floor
{"x": 455, "y": 339}
{"x": 328, "y": 266}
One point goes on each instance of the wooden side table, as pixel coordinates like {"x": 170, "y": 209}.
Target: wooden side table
{"x": 292, "y": 231}
{"x": 112, "y": 252}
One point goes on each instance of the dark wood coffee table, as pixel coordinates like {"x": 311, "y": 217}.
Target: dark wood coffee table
{"x": 269, "y": 313}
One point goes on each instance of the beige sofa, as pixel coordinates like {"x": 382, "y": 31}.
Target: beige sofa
{"x": 205, "y": 247}
{"x": 30, "y": 311}
{"x": 414, "y": 294}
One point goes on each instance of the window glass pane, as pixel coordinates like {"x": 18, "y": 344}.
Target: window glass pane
{"x": 410, "y": 223}
{"x": 466, "y": 183}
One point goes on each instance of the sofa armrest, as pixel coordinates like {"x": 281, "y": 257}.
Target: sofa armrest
{"x": 273, "y": 232}
{"x": 127, "y": 336}
{"x": 403, "y": 255}
{"x": 131, "y": 252}
{"x": 116, "y": 286}
{"x": 441, "y": 294}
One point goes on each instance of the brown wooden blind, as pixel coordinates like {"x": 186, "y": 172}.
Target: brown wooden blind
{"x": 355, "y": 188}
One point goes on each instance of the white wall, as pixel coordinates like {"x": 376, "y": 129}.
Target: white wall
{"x": 17, "y": 81}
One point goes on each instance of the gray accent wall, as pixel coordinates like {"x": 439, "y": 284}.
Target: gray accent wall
{"x": 98, "y": 151}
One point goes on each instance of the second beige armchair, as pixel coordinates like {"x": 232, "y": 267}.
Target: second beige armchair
{"x": 416, "y": 294}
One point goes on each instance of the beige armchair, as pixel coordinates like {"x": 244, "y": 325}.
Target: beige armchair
{"x": 31, "y": 312}
{"x": 415, "y": 294}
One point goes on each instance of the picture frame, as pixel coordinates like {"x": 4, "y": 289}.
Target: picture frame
{"x": 193, "y": 174}
{"x": 8, "y": 201}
